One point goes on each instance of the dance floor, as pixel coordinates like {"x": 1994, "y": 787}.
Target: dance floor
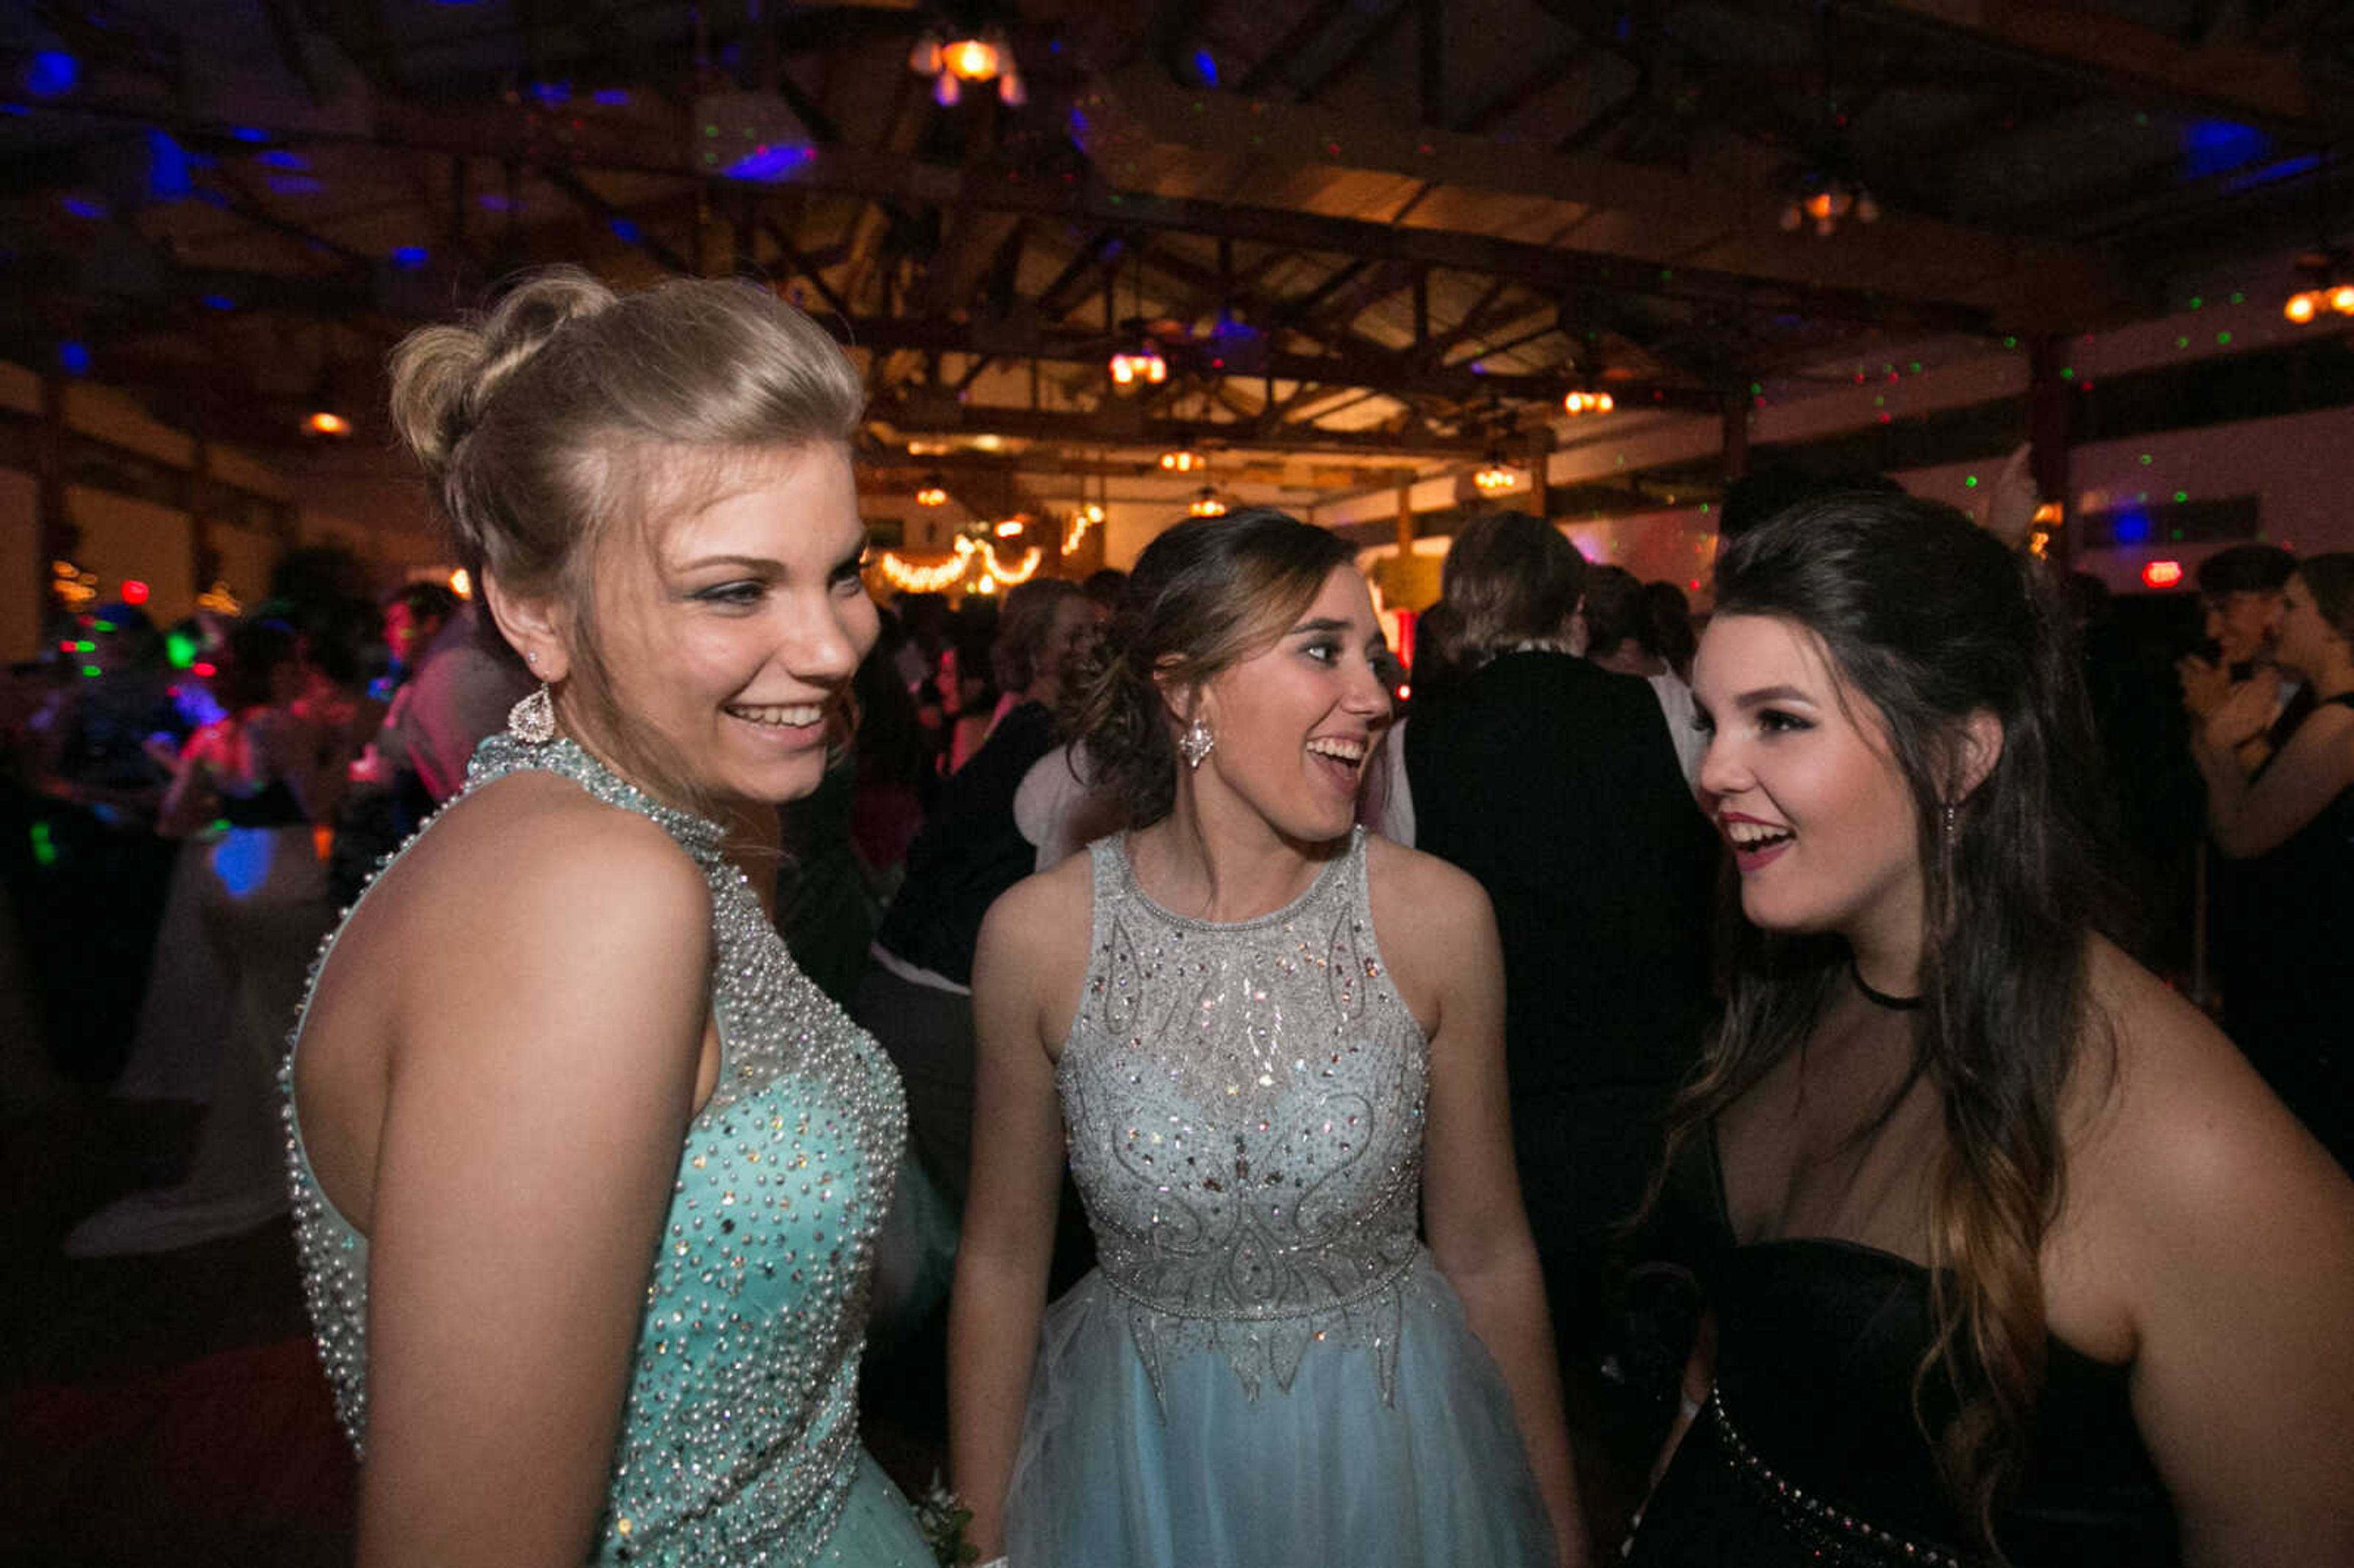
{"x": 167, "y": 1412}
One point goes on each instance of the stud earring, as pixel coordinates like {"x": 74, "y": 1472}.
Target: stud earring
{"x": 1196, "y": 744}
{"x": 533, "y": 720}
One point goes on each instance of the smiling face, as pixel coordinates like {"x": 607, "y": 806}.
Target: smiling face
{"x": 2306, "y": 635}
{"x": 1078, "y": 626}
{"x": 1295, "y": 722}
{"x": 1801, "y": 779}
{"x": 2245, "y": 624}
{"x": 736, "y": 648}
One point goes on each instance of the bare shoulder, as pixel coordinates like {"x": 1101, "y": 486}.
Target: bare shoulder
{"x": 529, "y": 884}
{"x": 1044, "y": 914}
{"x": 1420, "y": 888}
{"x": 2162, "y": 1092}
{"x": 536, "y": 848}
{"x": 2178, "y": 1150}
{"x": 1438, "y": 934}
{"x": 1032, "y": 958}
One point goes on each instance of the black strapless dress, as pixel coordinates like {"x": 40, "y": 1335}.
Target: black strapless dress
{"x": 1807, "y": 1451}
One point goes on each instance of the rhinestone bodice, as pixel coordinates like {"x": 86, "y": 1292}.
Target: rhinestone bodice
{"x": 1243, "y": 1107}
{"x": 739, "y": 1440}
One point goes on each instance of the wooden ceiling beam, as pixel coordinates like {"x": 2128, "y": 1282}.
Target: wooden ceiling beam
{"x": 1116, "y": 426}
{"x": 2267, "y": 87}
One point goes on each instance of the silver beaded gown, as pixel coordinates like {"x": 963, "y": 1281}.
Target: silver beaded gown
{"x": 1266, "y": 1368}
{"x": 739, "y": 1440}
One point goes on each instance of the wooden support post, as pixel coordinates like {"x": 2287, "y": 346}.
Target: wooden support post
{"x": 2048, "y": 403}
{"x": 204, "y": 558}
{"x": 1405, "y": 520}
{"x": 1735, "y": 445}
{"x": 58, "y": 536}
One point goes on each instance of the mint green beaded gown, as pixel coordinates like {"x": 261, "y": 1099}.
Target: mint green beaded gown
{"x": 739, "y": 1440}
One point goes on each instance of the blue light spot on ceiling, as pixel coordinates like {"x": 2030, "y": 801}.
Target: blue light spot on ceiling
{"x": 2130, "y": 526}
{"x": 2212, "y": 146}
{"x": 219, "y": 302}
{"x": 551, "y": 93}
{"x": 73, "y": 358}
{"x": 408, "y": 258}
{"x": 1206, "y": 64}
{"x": 250, "y": 133}
{"x": 771, "y": 163}
{"x": 83, "y": 207}
{"x": 15, "y": 108}
{"x": 612, "y": 97}
{"x": 492, "y": 201}
{"x": 279, "y": 158}
{"x": 168, "y": 178}
{"x": 295, "y": 184}
{"x": 2272, "y": 173}
{"x": 52, "y": 73}
{"x": 623, "y": 229}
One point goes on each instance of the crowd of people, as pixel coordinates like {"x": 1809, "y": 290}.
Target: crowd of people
{"x": 1279, "y": 1093}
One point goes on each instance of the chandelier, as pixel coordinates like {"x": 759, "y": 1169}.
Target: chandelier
{"x": 1207, "y": 503}
{"x": 1184, "y": 460}
{"x": 2332, "y": 273}
{"x": 1142, "y": 363}
{"x": 1496, "y": 477}
{"x": 957, "y": 60}
{"x": 1824, "y": 201}
{"x": 1580, "y": 403}
{"x": 933, "y": 491}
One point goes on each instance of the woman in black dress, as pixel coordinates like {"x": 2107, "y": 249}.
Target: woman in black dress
{"x": 2017, "y": 1258}
{"x": 2293, "y": 812}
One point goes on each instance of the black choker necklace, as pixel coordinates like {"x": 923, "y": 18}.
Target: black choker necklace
{"x": 1880, "y": 998}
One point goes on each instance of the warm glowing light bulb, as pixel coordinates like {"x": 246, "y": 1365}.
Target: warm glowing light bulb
{"x": 970, "y": 59}
{"x": 461, "y": 583}
{"x": 1009, "y": 528}
{"x": 1819, "y": 204}
{"x": 2341, "y": 299}
{"x": 2300, "y": 308}
{"x": 2161, "y": 574}
{"x": 1602, "y": 403}
{"x": 323, "y": 423}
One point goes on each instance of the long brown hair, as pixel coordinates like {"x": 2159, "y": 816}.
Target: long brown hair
{"x": 1931, "y": 621}
{"x": 1204, "y": 596}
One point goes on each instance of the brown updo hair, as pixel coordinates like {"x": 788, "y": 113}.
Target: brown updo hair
{"x": 566, "y": 407}
{"x": 1204, "y": 596}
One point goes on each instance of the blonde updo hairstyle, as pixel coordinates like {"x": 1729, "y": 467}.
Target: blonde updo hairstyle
{"x": 567, "y": 410}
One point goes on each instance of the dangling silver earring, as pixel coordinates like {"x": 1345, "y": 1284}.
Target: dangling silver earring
{"x": 533, "y": 720}
{"x": 1196, "y": 744}
{"x": 1953, "y": 822}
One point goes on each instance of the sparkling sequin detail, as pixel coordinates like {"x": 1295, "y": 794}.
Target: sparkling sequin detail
{"x": 1244, "y": 1105}
{"x": 739, "y": 1439}
{"x": 1834, "y": 1534}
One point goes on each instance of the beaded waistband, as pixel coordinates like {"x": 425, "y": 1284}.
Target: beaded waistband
{"x": 1839, "y": 1535}
{"x": 1267, "y": 1314}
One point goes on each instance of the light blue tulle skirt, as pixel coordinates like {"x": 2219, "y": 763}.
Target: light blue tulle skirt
{"x": 1324, "y": 1472}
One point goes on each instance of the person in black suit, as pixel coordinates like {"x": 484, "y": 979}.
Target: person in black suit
{"x": 1554, "y": 782}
